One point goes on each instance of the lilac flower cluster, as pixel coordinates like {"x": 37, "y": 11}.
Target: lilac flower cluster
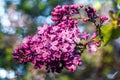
{"x": 61, "y": 15}
{"x": 52, "y": 47}
{"x": 58, "y": 46}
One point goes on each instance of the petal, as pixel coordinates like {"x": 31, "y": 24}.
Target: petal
{"x": 40, "y": 30}
{"x": 85, "y": 35}
{"x": 54, "y": 47}
{"x": 54, "y": 42}
{"x": 92, "y": 48}
{"x": 76, "y": 39}
{"x": 64, "y": 50}
{"x": 66, "y": 45}
{"x": 72, "y": 68}
{"x": 52, "y": 37}
{"x": 94, "y": 35}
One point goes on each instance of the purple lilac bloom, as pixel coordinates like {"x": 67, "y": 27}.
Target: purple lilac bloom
{"x": 53, "y": 46}
{"x": 56, "y": 47}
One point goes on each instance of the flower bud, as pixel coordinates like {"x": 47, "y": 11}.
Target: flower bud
{"x": 85, "y": 19}
{"x": 81, "y": 6}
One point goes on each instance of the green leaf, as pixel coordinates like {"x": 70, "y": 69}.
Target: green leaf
{"x": 118, "y": 1}
{"x": 115, "y": 33}
{"x": 110, "y": 33}
{"x": 106, "y": 32}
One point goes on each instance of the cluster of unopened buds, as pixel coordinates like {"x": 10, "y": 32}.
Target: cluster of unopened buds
{"x": 61, "y": 45}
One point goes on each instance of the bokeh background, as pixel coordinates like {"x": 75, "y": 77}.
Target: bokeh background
{"x": 20, "y": 18}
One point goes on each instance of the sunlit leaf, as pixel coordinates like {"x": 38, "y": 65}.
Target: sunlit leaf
{"x": 106, "y": 32}
{"x": 115, "y": 33}
{"x": 118, "y": 1}
{"x": 110, "y": 33}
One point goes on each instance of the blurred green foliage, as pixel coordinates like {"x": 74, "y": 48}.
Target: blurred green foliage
{"x": 96, "y": 66}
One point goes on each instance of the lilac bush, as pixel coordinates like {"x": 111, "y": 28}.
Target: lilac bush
{"x": 59, "y": 46}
